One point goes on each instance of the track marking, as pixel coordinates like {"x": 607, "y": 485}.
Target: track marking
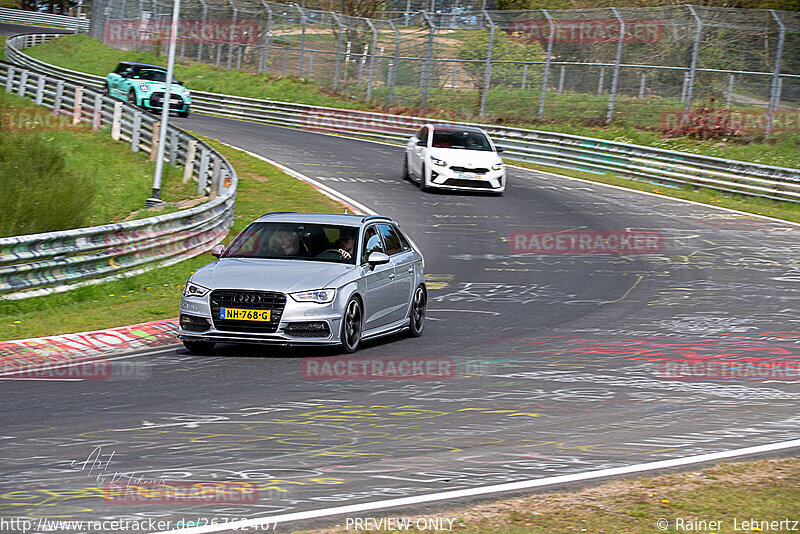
{"x": 511, "y": 486}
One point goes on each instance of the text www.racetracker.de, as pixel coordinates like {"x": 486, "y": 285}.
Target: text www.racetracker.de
{"x": 43, "y": 524}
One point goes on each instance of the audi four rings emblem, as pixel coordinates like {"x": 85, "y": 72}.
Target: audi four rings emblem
{"x": 247, "y": 299}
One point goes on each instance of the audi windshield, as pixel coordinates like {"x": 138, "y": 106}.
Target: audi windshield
{"x": 309, "y": 242}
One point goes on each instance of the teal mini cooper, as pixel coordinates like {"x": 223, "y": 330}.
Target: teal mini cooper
{"x": 142, "y": 84}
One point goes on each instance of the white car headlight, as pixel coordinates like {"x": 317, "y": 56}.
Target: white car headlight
{"x": 497, "y": 166}
{"x": 186, "y": 93}
{"x": 439, "y": 162}
{"x": 144, "y": 87}
{"x": 195, "y": 290}
{"x": 320, "y": 296}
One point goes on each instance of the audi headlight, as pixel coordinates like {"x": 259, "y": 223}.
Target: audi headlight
{"x": 195, "y": 290}
{"x": 320, "y": 296}
{"x": 144, "y": 87}
{"x": 439, "y": 162}
{"x": 497, "y": 166}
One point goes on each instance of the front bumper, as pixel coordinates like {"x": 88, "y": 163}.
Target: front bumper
{"x": 177, "y": 102}
{"x": 463, "y": 179}
{"x": 299, "y": 323}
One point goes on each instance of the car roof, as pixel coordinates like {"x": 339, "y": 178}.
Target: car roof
{"x": 137, "y": 64}
{"x": 321, "y": 218}
{"x": 455, "y": 127}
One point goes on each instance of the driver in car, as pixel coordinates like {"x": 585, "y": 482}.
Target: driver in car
{"x": 346, "y": 242}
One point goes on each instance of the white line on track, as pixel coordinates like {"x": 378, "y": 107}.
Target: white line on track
{"x": 472, "y": 492}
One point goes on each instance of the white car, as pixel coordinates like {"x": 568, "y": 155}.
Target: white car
{"x": 445, "y": 156}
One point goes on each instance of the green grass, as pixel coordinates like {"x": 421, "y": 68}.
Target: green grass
{"x": 3, "y": 47}
{"x": 88, "y": 173}
{"x": 156, "y": 295}
{"x": 765, "y": 490}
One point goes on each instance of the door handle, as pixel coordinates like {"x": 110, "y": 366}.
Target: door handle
{"x": 391, "y": 276}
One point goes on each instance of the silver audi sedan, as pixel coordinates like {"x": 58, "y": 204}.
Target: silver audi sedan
{"x": 306, "y": 278}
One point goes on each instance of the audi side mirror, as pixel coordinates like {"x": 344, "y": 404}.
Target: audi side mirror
{"x": 217, "y": 250}
{"x": 377, "y": 258}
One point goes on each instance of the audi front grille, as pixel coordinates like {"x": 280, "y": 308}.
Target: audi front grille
{"x": 248, "y": 300}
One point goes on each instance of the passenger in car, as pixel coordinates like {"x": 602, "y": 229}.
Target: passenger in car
{"x": 289, "y": 242}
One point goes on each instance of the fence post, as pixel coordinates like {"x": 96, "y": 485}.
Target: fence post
{"x": 310, "y": 64}
{"x": 685, "y": 86}
{"x": 97, "y": 111}
{"x": 371, "y": 57}
{"x": 216, "y": 176}
{"x": 561, "y": 80}
{"x": 202, "y": 176}
{"x": 338, "y": 50}
{"x": 136, "y": 131}
{"x": 10, "y": 80}
{"x": 395, "y": 61}
{"x": 77, "y": 109}
{"x": 774, "y": 94}
{"x": 116, "y": 122}
{"x": 40, "y": 90}
{"x": 600, "y": 81}
{"x": 693, "y": 66}
{"x": 23, "y": 82}
{"x": 154, "y": 140}
{"x": 302, "y": 14}
{"x": 264, "y": 64}
{"x": 487, "y": 70}
{"x": 615, "y": 78}
{"x": 642, "y": 83}
{"x": 426, "y": 67}
{"x": 188, "y": 167}
{"x": 546, "y": 62}
{"x": 200, "y": 43}
{"x": 730, "y": 92}
{"x": 231, "y": 32}
{"x": 59, "y": 96}
{"x": 174, "y": 139}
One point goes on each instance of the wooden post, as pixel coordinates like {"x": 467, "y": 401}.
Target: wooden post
{"x": 154, "y": 140}
{"x": 116, "y": 125}
{"x": 77, "y": 110}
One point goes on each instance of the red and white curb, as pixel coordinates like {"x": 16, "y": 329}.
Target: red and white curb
{"x": 28, "y": 354}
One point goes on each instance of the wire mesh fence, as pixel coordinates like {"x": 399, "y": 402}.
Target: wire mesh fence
{"x": 650, "y": 67}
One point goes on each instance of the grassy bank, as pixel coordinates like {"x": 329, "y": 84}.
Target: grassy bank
{"x": 72, "y": 177}
{"x": 79, "y": 52}
{"x": 156, "y": 295}
{"x": 765, "y": 490}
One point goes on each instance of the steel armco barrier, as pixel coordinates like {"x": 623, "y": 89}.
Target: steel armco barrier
{"x": 543, "y": 148}
{"x": 34, "y": 17}
{"x": 38, "y": 264}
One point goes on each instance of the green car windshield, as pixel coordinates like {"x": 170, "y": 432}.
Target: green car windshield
{"x": 154, "y": 75}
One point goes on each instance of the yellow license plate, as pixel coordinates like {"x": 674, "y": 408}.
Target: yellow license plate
{"x": 244, "y": 315}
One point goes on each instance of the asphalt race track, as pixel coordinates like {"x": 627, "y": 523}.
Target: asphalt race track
{"x": 7, "y": 28}
{"x": 560, "y": 363}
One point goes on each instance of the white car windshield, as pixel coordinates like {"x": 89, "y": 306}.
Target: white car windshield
{"x": 461, "y": 139}
{"x": 296, "y": 241}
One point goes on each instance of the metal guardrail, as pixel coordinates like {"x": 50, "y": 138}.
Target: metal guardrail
{"x": 543, "y": 148}
{"x": 38, "y": 264}
{"x": 35, "y": 17}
